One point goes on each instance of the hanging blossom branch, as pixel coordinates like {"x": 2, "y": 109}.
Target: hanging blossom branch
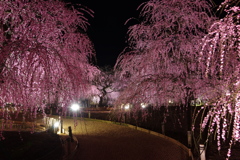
{"x": 220, "y": 52}
{"x": 45, "y": 54}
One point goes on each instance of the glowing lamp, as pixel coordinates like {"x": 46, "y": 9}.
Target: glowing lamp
{"x": 127, "y": 106}
{"x": 56, "y": 124}
{"x": 143, "y": 105}
{"x": 75, "y": 107}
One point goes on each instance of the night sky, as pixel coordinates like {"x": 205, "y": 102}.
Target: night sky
{"x": 107, "y": 29}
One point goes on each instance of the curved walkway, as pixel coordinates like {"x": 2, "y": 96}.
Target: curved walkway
{"x": 107, "y": 141}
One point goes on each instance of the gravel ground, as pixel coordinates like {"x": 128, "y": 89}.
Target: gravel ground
{"x": 107, "y": 141}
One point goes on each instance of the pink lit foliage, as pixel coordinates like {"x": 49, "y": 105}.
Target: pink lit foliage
{"x": 160, "y": 66}
{"x": 220, "y": 58}
{"x": 45, "y": 54}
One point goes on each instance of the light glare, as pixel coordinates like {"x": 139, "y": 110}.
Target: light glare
{"x": 56, "y": 124}
{"x": 75, "y": 107}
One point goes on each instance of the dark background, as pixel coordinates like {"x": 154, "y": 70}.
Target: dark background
{"x": 107, "y": 28}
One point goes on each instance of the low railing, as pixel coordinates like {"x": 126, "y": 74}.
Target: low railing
{"x": 69, "y": 146}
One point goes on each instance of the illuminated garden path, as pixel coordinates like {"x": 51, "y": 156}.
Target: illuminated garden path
{"x": 107, "y": 141}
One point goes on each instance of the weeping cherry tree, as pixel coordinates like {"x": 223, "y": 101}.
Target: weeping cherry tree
{"x": 45, "y": 55}
{"x": 160, "y": 64}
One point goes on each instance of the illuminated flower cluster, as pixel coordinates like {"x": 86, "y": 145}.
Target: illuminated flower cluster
{"x": 221, "y": 53}
{"x": 44, "y": 54}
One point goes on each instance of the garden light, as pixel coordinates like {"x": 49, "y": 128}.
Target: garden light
{"x": 56, "y": 124}
{"x": 75, "y": 107}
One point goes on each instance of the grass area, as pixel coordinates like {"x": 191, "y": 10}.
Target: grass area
{"x": 27, "y": 146}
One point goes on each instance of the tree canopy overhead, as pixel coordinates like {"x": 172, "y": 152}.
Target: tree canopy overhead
{"x": 45, "y": 53}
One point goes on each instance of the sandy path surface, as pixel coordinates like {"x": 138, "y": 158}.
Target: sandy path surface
{"x": 107, "y": 141}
